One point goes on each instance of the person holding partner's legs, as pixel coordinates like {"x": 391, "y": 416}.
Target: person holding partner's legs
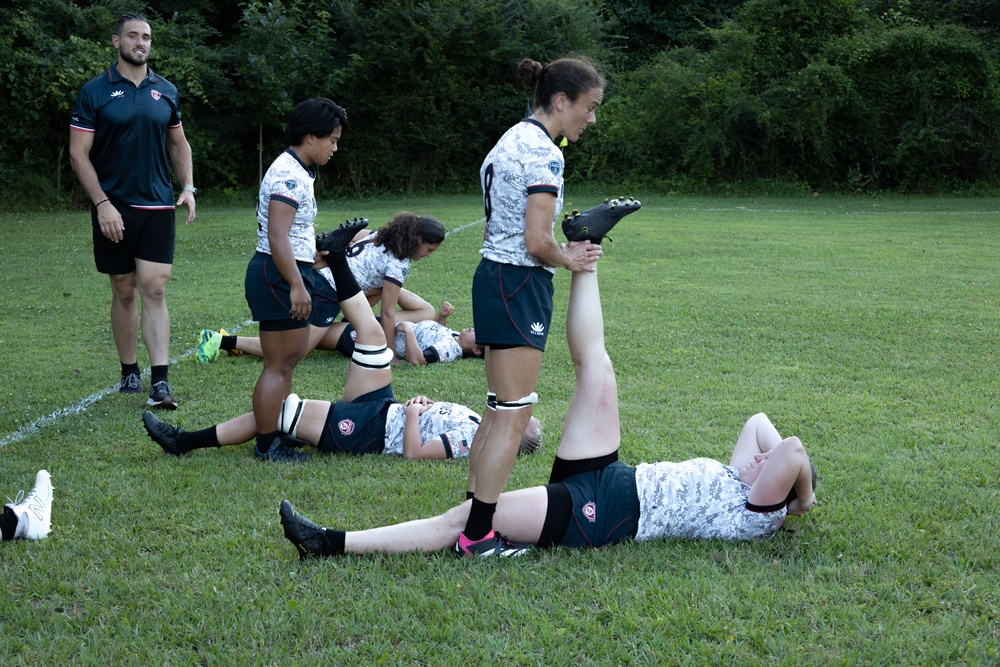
{"x": 592, "y": 499}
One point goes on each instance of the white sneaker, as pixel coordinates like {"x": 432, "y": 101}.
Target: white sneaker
{"x": 291, "y": 410}
{"x": 34, "y": 512}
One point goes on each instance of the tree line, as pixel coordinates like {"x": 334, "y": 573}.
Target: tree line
{"x": 858, "y": 95}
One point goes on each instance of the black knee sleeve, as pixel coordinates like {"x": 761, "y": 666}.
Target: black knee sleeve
{"x": 561, "y": 468}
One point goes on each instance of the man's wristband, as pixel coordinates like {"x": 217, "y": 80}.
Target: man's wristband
{"x": 190, "y": 188}
{"x": 101, "y": 202}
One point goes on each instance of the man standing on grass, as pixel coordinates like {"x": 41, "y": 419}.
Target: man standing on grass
{"x": 125, "y": 124}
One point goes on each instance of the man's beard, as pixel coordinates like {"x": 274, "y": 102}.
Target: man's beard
{"x": 131, "y": 59}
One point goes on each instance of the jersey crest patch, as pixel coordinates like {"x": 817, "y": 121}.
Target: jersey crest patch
{"x": 291, "y": 185}
{"x": 590, "y": 511}
{"x": 156, "y": 94}
{"x": 346, "y": 426}
{"x": 554, "y": 167}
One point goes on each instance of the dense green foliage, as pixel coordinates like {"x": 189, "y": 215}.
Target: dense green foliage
{"x": 844, "y": 94}
{"x": 813, "y": 92}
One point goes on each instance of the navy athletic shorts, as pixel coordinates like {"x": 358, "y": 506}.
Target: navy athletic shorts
{"x": 511, "y": 305}
{"x": 357, "y": 427}
{"x": 604, "y": 507}
{"x": 345, "y": 344}
{"x": 325, "y": 305}
{"x": 149, "y": 235}
{"x": 270, "y": 296}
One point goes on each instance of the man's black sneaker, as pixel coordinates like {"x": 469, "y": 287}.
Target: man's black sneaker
{"x": 163, "y": 434}
{"x": 130, "y": 384}
{"x": 339, "y": 239}
{"x": 281, "y": 450}
{"x": 595, "y": 223}
{"x": 161, "y": 395}
{"x": 308, "y": 538}
{"x": 494, "y": 544}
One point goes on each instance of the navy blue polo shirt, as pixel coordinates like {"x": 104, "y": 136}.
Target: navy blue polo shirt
{"x": 130, "y": 135}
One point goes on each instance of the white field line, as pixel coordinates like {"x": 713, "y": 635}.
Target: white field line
{"x": 83, "y": 404}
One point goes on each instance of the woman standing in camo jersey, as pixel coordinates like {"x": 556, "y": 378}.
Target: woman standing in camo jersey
{"x": 522, "y": 179}
{"x": 279, "y": 277}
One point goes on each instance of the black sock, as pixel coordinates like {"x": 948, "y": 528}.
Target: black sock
{"x": 343, "y": 277}
{"x": 480, "y": 521}
{"x": 130, "y": 368}
{"x": 228, "y": 343}
{"x": 333, "y": 542}
{"x": 157, "y": 374}
{"x": 206, "y": 437}
{"x": 8, "y": 524}
{"x": 264, "y": 441}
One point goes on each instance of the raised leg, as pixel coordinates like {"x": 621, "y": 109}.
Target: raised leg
{"x": 592, "y": 426}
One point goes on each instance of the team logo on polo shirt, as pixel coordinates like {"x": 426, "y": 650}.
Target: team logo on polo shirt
{"x": 590, "y": 511}
{"x": 117, "y": 93}
{"x": 554, "y": 167}
{"x": 346, "y": 426}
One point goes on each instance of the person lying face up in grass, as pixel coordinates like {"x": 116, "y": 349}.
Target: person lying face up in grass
{"x": 593, "y": 499}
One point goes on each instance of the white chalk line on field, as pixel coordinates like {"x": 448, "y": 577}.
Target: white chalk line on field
{"x": 465, "y": 226}
{"x": 82, "y": 405}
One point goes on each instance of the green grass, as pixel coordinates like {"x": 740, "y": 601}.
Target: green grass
{"x": 866, "y": 326}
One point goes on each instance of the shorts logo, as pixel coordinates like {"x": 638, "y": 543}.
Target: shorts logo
{"x": 537, "y": 329}
{"x": 156, "y": 94}
{"x": 346, "y": 426}
{"x": 590, "y": 511}
{"x": 116, "y": 93}
{"x": 328, "y": 321}
{"x": 354, "y": 335}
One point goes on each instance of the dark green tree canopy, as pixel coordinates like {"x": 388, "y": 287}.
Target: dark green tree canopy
{"x": 844, "y": 93}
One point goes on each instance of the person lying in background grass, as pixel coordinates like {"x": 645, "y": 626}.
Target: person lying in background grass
{"x": 380, "y": 262}
{"x": 592, "y": 499}
{"x": 418, "y": 343}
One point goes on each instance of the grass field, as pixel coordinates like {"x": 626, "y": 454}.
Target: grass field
{"x": 866, "y": 326}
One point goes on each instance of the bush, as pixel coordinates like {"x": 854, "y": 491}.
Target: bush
{"x": 430, "y": 87}
{"x": 924, "y": 108}
{"x": 833, "y": 99}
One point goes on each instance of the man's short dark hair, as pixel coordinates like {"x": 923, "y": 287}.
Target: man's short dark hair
{"x": 125, "y": 18}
